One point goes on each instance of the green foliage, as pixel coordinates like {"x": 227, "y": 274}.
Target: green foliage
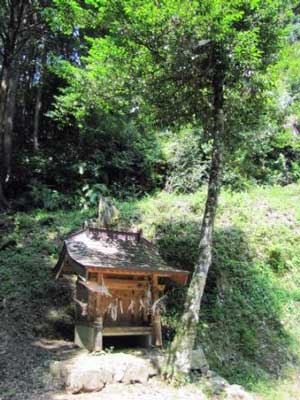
{"x": 270, "y": 153}
{"x": 141, "y": 60}
{"x": 117, "y": 152}
{"x": 178, "y": 242}
{"x": 91, "y": 194}
{"x": 116, "y": 74}
{"x": 187, "y": 154}
{"x": 49, "y": 199}
{"x": 130, "y": 78}
{"x": 249, "y": 322}
{"x": 277, "y": 259}
{"x": 34, "y": 304}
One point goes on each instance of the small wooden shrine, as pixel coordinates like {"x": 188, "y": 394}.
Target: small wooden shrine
{"x": 119, "y": 285}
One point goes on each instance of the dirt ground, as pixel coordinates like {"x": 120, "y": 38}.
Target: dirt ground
{"x": 24, "y": 372}
{"x": 154, "y": 390}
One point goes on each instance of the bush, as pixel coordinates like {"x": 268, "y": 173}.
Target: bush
{"x": 90, "y": 194}
{"x": 187, "y": 161}
{"x": 277, "y": 260}
{"x": 50, "y": 199}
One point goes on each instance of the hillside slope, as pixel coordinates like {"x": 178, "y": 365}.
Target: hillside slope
{"x": 250, "y": 319}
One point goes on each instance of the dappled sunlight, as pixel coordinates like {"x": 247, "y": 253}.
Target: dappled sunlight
{"x": 112, "y": 249}
{"x": 146, "y": 145}
{"x": 252, "y": 293}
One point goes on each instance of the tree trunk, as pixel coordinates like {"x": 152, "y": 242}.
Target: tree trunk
{"x": 4, "y": 89}
{"x": 7, "y": 110}
{"x": 38, "y": 101}
{"x": 180, "y": 354}
{"x": 18, "y": 15}
{"x": 8, "y": 124}
{"x": 3, "y": 202}
{"x": 36, "y": 121}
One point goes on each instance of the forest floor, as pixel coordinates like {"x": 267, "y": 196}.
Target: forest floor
{"x": 252, "y": 294}
{"x": 151, "y": 391}
{"x": 26, "y": 376}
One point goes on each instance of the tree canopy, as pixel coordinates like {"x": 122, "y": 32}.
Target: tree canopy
{"x": 103, "y": 89}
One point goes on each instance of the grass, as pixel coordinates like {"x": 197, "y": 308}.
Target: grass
{"x": 250, "y": 317}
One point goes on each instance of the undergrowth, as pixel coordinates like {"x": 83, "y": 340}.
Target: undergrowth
{"x": 250, "y": 316}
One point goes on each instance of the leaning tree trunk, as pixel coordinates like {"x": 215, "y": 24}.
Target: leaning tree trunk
{"x": 180, "y": 354}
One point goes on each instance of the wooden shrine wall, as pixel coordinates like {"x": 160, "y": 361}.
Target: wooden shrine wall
{"x": 128, "y": 301}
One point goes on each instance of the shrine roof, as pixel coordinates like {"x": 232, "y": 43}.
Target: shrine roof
{"x": 116, "y": 250}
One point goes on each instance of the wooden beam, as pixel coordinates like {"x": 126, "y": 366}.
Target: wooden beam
{"x": 139, "y": 272}
{"x": 60, "y": 263}
{"x": 179, "y": 277}
{"x": 127, "y": 330}
{"x": 131, "y": 285}
{"x": 76, "y": 267}
{"x": 125, "y": 284}
{"x": 118, "y": 271}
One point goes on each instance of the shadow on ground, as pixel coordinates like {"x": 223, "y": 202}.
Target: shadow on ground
{"x": 32, "y": 305}
{"x": 24, "y": 355}
{"x": 240, "y": 326}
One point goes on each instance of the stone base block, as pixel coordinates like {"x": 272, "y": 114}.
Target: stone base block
{"x": 85, "y": 372}
{"x": 84, "y": 336}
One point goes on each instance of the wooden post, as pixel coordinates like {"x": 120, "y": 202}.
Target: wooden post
{"x": 98, "y": 301}
{"x": 148, "y": 341}
{"x": 156, "y": 323}
{"x": 157, "y": 329}
{"x": 98, "y": 318}
{"x": 98, "y": 334}
{"x": 77, "y": 313}
{"x": 145, "y": 310}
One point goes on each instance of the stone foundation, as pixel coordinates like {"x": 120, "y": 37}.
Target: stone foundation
{"x": 87, "y": 372}
{"x": 89, "y": 336}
